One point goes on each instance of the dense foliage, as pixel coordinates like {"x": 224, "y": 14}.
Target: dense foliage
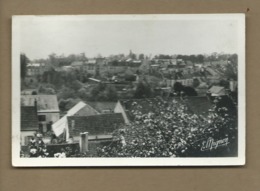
{"x": 171, "y": 130}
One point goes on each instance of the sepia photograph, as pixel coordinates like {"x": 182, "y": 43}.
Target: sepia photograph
{"x": 128, "y": 90}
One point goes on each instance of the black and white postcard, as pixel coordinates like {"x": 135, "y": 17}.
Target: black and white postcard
{"x": 128, "y": 90}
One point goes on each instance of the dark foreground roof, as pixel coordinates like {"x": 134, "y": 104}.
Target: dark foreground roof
{"x": 29, "y": 119}
{"x": 102, "y": 124}
{"x": 198, "y": 104}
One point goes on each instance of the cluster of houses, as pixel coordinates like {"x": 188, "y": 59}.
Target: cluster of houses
{"x": 103, "y": 66}
{"x": 40, "y": 113}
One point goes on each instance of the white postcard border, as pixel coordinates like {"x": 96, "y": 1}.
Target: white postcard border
{"x": 59, "y": 162}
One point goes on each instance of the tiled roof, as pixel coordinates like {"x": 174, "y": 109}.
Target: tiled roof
{"x": 45, "y": 103}
{"x": 96, "y": 124}
{"x": 29, "y": 118}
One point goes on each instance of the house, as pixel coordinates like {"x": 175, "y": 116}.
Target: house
{"x": 184, "y": 82}
{"x": 90, "y": 66}
{"x": 34, "y": 69}
{"x": 47, "y": 108}
{"x": 66, "y": 68}
{"x": 29, "y": 123}
{"x": 80, "y": 109}
{"x": 99, "y": 127}
{"x": 77, "y": 64}
{"x": 115, "y": 67}
{"x": 29, "y": 92}
{"x": 217, "y": 91}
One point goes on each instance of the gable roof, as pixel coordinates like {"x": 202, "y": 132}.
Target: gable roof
{"x": 29, "y": 118}
{"x": 95, "y": 125}
{"x": 100, "y": 106}
{"x": 59, "y": 126}
{"x": 86, "y": 111}
{"x": 45, "y": 103}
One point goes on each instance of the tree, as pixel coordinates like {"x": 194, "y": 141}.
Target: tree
{"x": 110, "y": 93}
{"x": 200, "y": 58}
{"x": 178, "y": 87}
{"x": 196, "y": 82}
{"x": 189, "y": 91}
{"x": 103, "y": 92}
{"x": 141, "y": 56}
{"x": 143, "y": 90}
{"x": 184, "y": 90}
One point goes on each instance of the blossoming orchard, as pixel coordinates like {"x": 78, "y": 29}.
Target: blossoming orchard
{"x": 170, "y": 129}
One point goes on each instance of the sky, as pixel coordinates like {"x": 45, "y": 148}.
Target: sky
{"x": 42, "y": 37}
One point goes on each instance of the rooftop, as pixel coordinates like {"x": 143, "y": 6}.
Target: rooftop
{"x": 45, "y": 103}
{"x": 216, "y": 89}
{"x": 103, "y": 106}
{"x": 103, "y": 124}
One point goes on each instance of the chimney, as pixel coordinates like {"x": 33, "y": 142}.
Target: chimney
{"x": 83, "y": 142}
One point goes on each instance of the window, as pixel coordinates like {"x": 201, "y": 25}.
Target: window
{"x": 42, "y": 118}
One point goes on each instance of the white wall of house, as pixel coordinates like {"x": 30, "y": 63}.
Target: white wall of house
{"x": 25, "y": 137}
{"x": 49, "y": 116}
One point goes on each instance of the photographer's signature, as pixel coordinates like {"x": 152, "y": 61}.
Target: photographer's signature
{"x": 210, "y": 144}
